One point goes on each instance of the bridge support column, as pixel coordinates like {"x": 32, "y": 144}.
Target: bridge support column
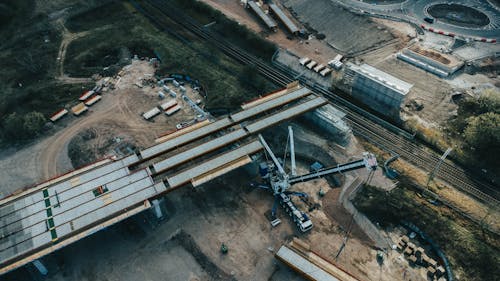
{"x": 156, "y": 208}
{"x": 40, "y": 267}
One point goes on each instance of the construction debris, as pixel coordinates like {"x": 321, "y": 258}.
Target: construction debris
{"x": 299, "y": 256}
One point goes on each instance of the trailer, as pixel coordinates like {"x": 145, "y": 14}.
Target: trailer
{"x": 325, "y": 72}
{"x": 168, "y": 104}
{"x": 79, "y": 109}
{"x": 311, "y": 64}
{"x": 58, "y": 115}
{"x": 86, "y": 95}
{"x": 319, "y": 68}
{"x": 304, "y": 61}
{"x": 152, "y": 113}
{"x": 92, "y": 100}
{"x": 173, "y": 110}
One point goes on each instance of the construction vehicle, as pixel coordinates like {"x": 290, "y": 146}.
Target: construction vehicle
{"x": 279, "y": 181}
{"x": 223, "y": 249}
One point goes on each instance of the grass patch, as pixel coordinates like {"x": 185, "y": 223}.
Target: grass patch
{"x": 116, "y": 32}
{"x": 229, "y": 29}
{"x": 227, "y": 83}
{"x": 92, "y": 18}
{"x": 473, "y": 253}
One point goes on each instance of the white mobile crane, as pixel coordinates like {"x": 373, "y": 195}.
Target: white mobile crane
{"x": 280, "y": 181}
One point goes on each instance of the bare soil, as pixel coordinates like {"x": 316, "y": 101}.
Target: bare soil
{"x": 118, "y": 114}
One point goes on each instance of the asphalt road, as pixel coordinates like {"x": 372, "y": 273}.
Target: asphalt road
{"x": 416, "y": 11}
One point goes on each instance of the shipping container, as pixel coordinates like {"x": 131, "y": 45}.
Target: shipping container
{"x": 172, "y": 94}
{"x": 79, "y": 109}
{"x": 311, "y": 64}
{"x": 152, "y": 113}
{"x": 58, "y": 115}
{"x": 173, "y": 110}
{"x": 319, "y": 68}
{"x": 305, "y": 60}
{"x": 168, "y": 104}
{"x": 325, "y": 72}
{"x": 92, "y": 100}
{"x": 86, "y": 95}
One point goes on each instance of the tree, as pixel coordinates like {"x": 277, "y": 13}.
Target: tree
{"x": 33, "y": 123}
{"x": 483, "y": 134}
{"x": 13, "y": 126}
{"x": 23, "y": 127}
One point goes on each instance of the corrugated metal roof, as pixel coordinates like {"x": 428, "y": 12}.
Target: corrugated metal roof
{"x": 152, "y": 113}
{"x": 86, "y": 95}
{"x": 58, "y": 115}
{"x": 79, "y": 108}
{"x": 381, "y": 77}
{"x": 267, "y": 20}
{"x": 284, "y": 19}
{"x": 93, "y": 100}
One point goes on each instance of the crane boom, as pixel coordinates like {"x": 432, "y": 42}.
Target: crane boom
{"x": 275, "y": 160}
{"x": 369, "y": 162}
{"x": 292, "y": 151}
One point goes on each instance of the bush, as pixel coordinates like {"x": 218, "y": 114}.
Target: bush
{"x": 467, "y": 246}
{"x": 483, "y": 134}
{"x": 477, "y": 126}
{"x": 23, "y": 127}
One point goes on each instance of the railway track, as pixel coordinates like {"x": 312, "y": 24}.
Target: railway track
{"x": 365, "y": 125}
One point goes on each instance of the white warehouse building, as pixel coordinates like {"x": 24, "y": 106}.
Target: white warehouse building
{"x": 377, "y": 89}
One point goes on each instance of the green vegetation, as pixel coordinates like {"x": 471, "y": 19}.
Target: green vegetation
{"x": 21, "y": 127}
{"x": 230, "y": 30}
{"x": 128, "y": 33}
{"x": 115, "y": 32}
{"x": 27, "y": 85}
{"x": 471, "y": 250}
{"x": 477, "y": 125}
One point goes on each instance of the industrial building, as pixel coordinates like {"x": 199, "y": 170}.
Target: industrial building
{"x": 377, "y": 89}
{"x": 51, "y": 215}
{"x": 436, "y": 63}
{"x": 284, "y": 19}
{"x": 268, "y": 21}
{"x": 331, "y": 120}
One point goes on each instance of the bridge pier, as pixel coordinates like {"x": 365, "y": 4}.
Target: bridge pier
{"x": 156, "y": 208}
{"x": 40, "y": 267}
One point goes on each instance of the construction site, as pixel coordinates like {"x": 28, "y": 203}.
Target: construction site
{"x": 253, "y": 140}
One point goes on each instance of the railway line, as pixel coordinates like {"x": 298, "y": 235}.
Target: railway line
{"x": 365, "y": 125}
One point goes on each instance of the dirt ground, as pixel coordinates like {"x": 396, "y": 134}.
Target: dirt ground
{"x": 118, "y": 114}
{"x": 228, "y": 211}
{"x": 313, "y": 48}
{"x": 225, "y": 210}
